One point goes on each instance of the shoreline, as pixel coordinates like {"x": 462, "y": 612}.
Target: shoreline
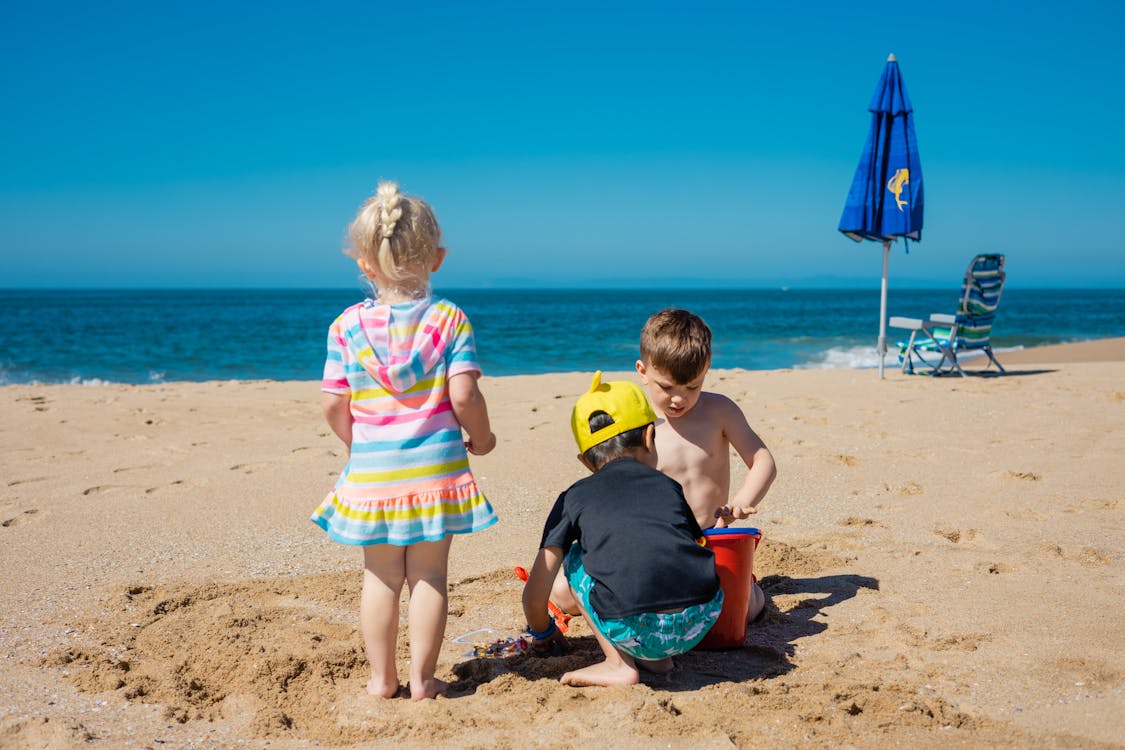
{"x": 1110, "y": 349}
{"x": 171, "y": 588}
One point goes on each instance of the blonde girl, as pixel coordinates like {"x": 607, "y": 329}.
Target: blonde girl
{"x": 400, "y": 386}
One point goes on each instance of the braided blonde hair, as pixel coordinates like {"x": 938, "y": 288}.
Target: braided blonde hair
{"x": 399, "y": 235}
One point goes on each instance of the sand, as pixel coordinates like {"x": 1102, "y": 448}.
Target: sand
{"x": 942, "y": 558}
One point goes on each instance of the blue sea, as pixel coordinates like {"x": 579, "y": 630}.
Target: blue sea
{"x": 147, "y": 336}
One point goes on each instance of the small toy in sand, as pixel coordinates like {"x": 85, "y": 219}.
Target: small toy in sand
{"x": 502, "y": 647}
{"x": 509, "y": 646}
{"x": 561, "y": 618}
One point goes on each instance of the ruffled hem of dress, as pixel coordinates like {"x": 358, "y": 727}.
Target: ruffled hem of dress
{"x": 419, "y": 517}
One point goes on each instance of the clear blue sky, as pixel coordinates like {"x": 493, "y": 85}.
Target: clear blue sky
{"x": 683, "y": 144}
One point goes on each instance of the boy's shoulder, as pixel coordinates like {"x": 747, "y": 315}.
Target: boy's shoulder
{"x": 621, "y": 471}
{"x": 712, "y": 405}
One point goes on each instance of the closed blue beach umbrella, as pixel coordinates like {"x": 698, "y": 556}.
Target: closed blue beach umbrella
{"x": 885, "y": 200}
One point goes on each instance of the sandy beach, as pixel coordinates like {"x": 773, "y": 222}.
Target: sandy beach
{"x": 942, "y": 557}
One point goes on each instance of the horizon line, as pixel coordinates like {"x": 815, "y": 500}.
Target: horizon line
{"x": 537, "y": 287}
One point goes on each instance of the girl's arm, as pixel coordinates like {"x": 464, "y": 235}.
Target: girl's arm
{"x": 472, "y": 412}
{"x": 761, "y": 469}
{"x": 338, "y": 415}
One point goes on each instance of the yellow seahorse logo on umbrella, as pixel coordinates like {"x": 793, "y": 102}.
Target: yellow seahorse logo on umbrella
{"x": 902, "y": 177}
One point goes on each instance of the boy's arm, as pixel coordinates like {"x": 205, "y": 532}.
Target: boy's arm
{"x": 471, "y": 412}
{"x": 338, "y": 415}
{"x": 761, "y": 469}
{"x": 537, "y": 592}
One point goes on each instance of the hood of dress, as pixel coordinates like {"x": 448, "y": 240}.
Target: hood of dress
{"x": 418, "y": 336}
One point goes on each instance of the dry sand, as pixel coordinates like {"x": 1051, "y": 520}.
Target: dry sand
{"x": 942, "y": 557}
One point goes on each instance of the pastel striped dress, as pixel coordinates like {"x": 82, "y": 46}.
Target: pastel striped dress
{"x": 407, "y": 479}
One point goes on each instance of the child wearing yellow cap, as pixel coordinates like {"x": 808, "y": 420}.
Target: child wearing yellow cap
{"x": 627, "y": 541}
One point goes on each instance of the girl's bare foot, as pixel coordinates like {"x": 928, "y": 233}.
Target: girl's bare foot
{"x": 382, "y": 688}
{"x": 602, "y": 673}
{"x": 431, "y": 688}
{"x": 656, "y": 666}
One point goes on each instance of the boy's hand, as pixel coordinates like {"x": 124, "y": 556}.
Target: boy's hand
{"x": 729, "y": 513}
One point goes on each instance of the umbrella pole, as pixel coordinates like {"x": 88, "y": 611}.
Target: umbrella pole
{"x": 883, "y": 309}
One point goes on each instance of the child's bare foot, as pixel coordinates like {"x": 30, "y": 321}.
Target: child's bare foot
{"x": 602, "y": 673}
{"x": 382, "y": 688}
{"x": 431, "y": 688}
{"x": 656, "y": 666}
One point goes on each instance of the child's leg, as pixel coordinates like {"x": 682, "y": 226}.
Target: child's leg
{"x": 757, "y": 602}
{"x": 618, "y": 668}
{"x": 563, "y": 596}
{"x": 384, "y": 570}
{"x": 426, "y": 568}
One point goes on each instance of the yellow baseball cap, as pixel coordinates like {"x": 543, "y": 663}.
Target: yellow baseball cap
{"x": 623, "y": 401}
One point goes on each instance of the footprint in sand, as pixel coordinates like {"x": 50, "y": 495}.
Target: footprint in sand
{"x": 44, "y": 732}
{"x": 251, "y": 467}
{"x": 173, "y": 483}
{"x": 926, "y": 638}
{"x": 101, "y": 489}
{"x": 123, "y": 469}
{"x": 38, "y": 402}
{"x": 910, "y": 488}
{"x": 847, "y": 460}
{"x": 956, "y": 535}
{"x": 14, "y": 482}
{"x": 1091, "y": 557}
{"x": 1026, "y": 514}
{"x": 996, "y": 568}
{"x": 19, "y": 519}
{"x": 857, "y": 521}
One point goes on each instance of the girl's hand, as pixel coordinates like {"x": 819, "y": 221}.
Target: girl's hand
{"x": 481, "y": 448}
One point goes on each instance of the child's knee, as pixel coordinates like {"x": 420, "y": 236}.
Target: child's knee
{"x": 563, "y": 596}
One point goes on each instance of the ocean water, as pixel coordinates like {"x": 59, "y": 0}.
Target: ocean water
{"x": 147, "y": 336}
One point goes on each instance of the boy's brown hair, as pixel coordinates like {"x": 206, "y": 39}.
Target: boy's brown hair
{"x": 678, "y": 343}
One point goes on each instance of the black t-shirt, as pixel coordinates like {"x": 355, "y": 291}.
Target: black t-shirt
{"x": 638, "y": 538}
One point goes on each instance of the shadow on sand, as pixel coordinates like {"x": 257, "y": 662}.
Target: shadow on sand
{"x": 769, "y": 644}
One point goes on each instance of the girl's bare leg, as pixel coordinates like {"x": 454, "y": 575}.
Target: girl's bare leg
{"x": 427, "y": 564}
{"x": 384, "y": 568}
{"x": 617, "y": 669}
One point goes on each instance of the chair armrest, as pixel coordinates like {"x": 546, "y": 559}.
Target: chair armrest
{"x": 914, "y": 324}
{"x": 942, "y": 319}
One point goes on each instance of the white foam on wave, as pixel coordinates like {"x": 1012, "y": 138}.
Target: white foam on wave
{"x": 865, "y": 357}
{"x": 76, "y": 380}
{"x": 843, "y": 358}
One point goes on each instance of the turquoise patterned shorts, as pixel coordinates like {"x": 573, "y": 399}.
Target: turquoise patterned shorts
{"x": 649, "y": 635}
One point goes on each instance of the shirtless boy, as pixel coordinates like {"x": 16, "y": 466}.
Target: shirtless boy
{"x": 693, "y": 442}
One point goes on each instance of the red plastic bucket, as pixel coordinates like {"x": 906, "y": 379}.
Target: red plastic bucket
{"x": 734, "y": 562}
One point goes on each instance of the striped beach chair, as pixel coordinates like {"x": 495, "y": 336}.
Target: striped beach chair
{"x": 935, "y": 342}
